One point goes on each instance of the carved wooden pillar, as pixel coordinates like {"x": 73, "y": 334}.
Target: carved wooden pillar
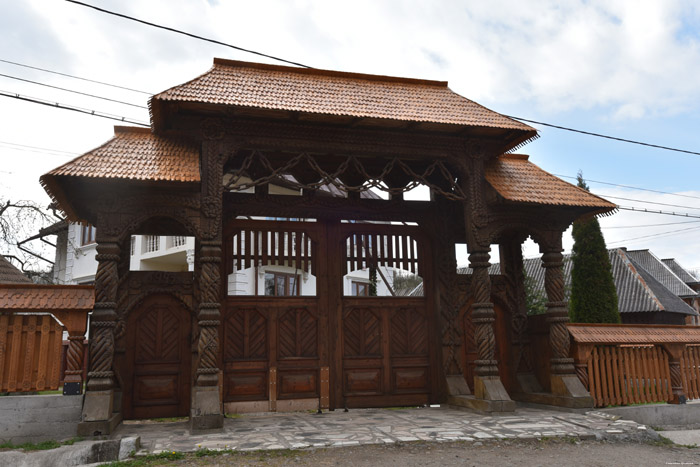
{"x": 75, "y": 322}
{"x": 100, "y": 385}
{"x": 207, "y": 408}
{"x": 563, "y": 379}
{"x": 675, "y": 351}
{"x": 483, "y": 315}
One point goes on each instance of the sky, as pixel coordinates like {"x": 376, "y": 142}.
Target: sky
{"x": 622, "y": 68}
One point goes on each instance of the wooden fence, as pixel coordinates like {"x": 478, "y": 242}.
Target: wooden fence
{"x": 31, "y": 336}
{"x": 637, "y": 364}
{"x": 30, "y": 352}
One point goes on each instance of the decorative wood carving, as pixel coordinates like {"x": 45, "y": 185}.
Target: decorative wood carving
{"x": 483, "y": 314}
{"x": 103, "y": 322}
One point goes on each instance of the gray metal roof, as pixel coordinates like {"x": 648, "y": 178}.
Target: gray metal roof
{"x": 680, "y": 271}
{"x": 9, "y": 274}
{"x": 661, "y": 272}
{"x": 637, "y": 289}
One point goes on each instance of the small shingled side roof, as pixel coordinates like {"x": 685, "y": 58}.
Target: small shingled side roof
{"x": 661, "y": 272}
{"x": 133, "y": 154}
{"x": 35, "y": 297}
{"x": 680, "y": 271}
{"x": 315, "y": 91}
{"x": 517, "y": 179}
{"x": 9, "y": 274}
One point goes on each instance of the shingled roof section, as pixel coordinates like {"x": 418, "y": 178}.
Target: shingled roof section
{"x": 680, "y": 271}
{"x": 661, "y": 272}
{"x": 637, "y": 289}
{"x": 35, "y": 297}
{"x": 9, "y": 274}
{"x": 517, "y": 179}
{"x": 310, "y": 90}
{"x": 137, "y": 154}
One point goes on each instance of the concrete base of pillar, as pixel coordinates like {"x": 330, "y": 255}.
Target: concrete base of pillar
{"x": 98, "y": 406}
{"x": 206, "y": 414}
{"x": 457, "y": 386}
{"x": 489, "y": 396}
{"x": 99, "y": 427}
{"x": 568, "y": 386}
{"x": 481, "y": 405}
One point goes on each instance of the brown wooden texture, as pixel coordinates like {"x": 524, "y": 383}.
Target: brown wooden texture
{"x": 30, "y": 352}
{"x": 158, "y": 377}
{"x": 690, "y": 371}
{"x": 630, "y": 374}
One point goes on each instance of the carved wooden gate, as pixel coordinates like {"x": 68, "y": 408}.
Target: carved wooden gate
{"x": 158, "y": 353}
{"x": 324, "y": 349}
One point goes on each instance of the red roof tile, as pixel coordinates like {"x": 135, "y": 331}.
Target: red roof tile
{"x": 633, "y": 333}
{"x": 137, "y": 154}
{"x": 517, "y": 179}
{"x": 34, "y": 297}
{"x": 310, "y": 90}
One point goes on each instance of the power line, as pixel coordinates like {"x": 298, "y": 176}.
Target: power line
{"x": 74, "y": 109}
{"x": 599, "y": 135}
{"x": 650, "y": 202}
{"x": 38, "y": 148}
{"x": 629, "y": 186}
{"x": 36, "y": 151}
{"x": 213, "y": 41}
{"x": 74, "y": 92}
{"x": 75, "y": 77}
{"x": 655, "y": 235}
{"x": 647, "y": 211}
{"x": 647, "y": 225}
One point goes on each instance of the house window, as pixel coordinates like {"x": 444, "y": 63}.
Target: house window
{"x": 360, "y": 289}
{"x": 152, "y": 243}
{"x": 87, "y": 234}
{"x": 279, "y": 284}
{"x": 133, "y": 245}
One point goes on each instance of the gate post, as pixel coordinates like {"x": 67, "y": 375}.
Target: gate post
{"x": 675, "y": 351}
{"x": 97, "y": 416}
{"x": 563, "y": 379}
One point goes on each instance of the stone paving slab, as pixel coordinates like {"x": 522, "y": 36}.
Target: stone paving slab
{"x": 683, "y": 437}
{"x": 376, "y": 426}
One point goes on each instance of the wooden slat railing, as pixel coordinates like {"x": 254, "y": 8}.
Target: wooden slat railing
{"x": 30, "y": 352}
{"x": 637, "y": 364}
{"x": 623, "y": 375}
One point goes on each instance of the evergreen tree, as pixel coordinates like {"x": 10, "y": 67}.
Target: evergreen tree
{"x": 593, "y": 294}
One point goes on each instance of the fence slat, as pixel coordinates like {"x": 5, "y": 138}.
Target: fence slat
{"x": 621, "y": 371}
{"x": 596, "y": 377}
{"x": 615, "y": 375}
{"x": 4, "y": 324}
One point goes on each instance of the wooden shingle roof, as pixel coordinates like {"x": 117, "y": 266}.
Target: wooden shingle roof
{"x": 333, "y": 93}
{"x": 35, "y": 297}
{"x": 9, "y": 274}
{"x": 517, "y": 179}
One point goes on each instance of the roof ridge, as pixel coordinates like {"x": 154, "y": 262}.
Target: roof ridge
{"x": 325, "y": 72}
{"x": 119, "y": 129}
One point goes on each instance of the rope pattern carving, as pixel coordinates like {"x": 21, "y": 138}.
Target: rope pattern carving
{"x": 676, "y": 379}
{"x": 557, "y": 313}
{"x": 483, "y": 315}
{"x": 74, "y": 356}
{"x": 208, "y": 316}
{"x": 582, "y": 373}
{"x": 436, "y": 175}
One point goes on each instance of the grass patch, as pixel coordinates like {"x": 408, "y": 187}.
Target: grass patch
{"x": 401, "y": 408}
{"x": 169, "y": 419}
{"x": 662, "y": 441}
{"x": 42, "y": 446}
{"x": 232, "y": 415}
{"x": 151, "y": 459}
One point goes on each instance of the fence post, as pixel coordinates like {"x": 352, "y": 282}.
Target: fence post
{"x": 581, "y": 354}
{"x": 75, "y": 322}
{"x": 675, "y": 351}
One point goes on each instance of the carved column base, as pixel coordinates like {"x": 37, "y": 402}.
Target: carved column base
{"x": 206, "y": 412}
{"x": 489, "y": 396}
{"x": 98, "y": 417}
{"x": 570, "y": 387}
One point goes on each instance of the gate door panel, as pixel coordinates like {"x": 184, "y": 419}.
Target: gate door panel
{"x": 386, "y": 341}
{"x": 158, "y": 351}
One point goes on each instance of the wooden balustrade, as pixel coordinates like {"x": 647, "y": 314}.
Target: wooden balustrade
{"x": 31, "y": 338}
{"x": 634, "y": 364}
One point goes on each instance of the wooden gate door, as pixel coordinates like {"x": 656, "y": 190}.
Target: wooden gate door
{"x": 158, "y": 377}
{"x": 274, "y": 342}
{"x": 386, "y": 341}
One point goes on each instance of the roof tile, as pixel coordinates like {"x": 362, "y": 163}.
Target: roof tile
{"x": 517, "y": 179}
{"x": 34, "y": 297}
{"x": 310, "y": 90}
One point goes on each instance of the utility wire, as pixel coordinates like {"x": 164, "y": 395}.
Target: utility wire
{"x": 629, "y": 186}
{"x": 655, "y": 235}
{"x": 213, "y": 41}
{"x": 38, "y": 148}
{"x": 599, "y": 135}
{"x": 35, "y": 151}
{"x": 74, "y": 92}
{"x": 647, "y": 211}
{"x": 650, "y": 202}
{"x": 647, "y": 225}
{"x": 75, "y": 77}
{"x": 74, "y": 109}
